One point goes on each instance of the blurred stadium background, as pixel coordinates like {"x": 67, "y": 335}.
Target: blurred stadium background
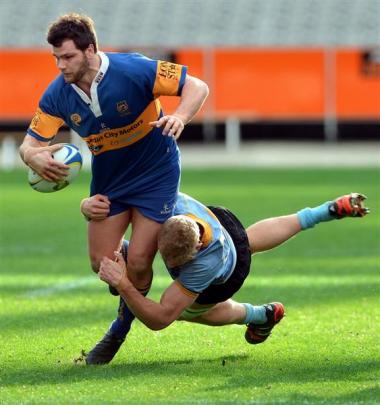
{"x": 292, "y": 81}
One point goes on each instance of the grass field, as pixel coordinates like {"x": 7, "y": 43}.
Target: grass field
{"x": 326, "y": 350}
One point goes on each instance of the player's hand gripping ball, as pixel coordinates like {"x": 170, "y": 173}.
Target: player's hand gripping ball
{"x": 69, "y": 154}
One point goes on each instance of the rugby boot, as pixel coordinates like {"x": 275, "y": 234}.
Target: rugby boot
{"x": 104, "y": 351}
{"x": 257, "y": 333}
{"x": 349, "y": 205}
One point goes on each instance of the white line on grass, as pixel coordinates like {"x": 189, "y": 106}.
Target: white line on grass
{"x": 66, "y": 286}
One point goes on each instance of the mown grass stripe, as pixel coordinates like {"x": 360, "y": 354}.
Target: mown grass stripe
{"x": 55, "y": 289}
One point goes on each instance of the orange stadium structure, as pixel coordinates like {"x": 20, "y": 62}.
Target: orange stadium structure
{"x": 290, "y": 84}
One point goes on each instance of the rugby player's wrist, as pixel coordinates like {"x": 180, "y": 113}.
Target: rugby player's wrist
{"x": 181, "y": 117}
{"x": 25, "y": 154}
{"x": 124, "y": 284}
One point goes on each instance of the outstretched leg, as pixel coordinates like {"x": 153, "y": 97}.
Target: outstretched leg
{"x": 260, "y": 319}
{"x": 272, "y": 232}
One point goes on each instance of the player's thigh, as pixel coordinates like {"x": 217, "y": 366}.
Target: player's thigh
{"x": 104, "y": 237}
{"x": 143, "y": 243}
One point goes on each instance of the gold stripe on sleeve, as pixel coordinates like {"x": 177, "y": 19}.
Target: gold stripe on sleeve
{"x": 45, "y": 125}
{"x": 168, "y": 75}
{"x": 185, "y": 290}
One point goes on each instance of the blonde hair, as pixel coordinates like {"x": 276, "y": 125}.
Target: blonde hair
{"x": 178, "y": 239}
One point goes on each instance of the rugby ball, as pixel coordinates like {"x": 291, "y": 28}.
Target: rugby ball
{"x": 68, "y": 154}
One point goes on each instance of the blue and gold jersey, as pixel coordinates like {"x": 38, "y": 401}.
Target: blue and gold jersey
{"x": 129, "y": 156}
{"x": 216, "y": 260}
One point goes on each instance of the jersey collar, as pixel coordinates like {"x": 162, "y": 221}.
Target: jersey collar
{"x": 93, "y": 102}
{"x": 206, "y": 236}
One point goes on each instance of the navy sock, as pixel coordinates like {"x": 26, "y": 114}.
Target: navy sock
{"x": 122, "y": 324}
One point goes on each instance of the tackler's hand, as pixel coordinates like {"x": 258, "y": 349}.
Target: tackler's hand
{"x": 113, "y": 272}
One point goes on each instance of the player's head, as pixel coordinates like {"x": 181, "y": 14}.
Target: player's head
{"x": 178, "y": 240}
{"x": 74, "y": 43}
{"x": 77, "y": 27}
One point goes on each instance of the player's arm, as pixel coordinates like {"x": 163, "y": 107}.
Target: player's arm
{"x": 38, "y": 155}
{"x": 194, "y": 94}
{"x": 154, "y": 315}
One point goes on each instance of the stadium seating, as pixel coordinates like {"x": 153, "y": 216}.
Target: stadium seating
{"x": 173, "y": 23}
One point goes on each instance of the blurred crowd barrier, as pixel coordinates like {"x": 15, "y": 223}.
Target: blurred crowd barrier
{"x": 247, "y": 85}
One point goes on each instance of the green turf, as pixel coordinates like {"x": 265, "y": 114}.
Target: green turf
{"x": 326, "y": 351}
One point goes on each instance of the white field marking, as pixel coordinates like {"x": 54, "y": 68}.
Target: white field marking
{"x": 62, "y": 287}
{"x": 163, "y": 282}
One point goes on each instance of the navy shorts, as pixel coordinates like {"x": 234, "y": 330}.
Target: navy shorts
{"x": 149, "y": 182}
{"x": 155, "y": 202}
{"x": 153, "y": 205}
{"x": 221, "y": 292}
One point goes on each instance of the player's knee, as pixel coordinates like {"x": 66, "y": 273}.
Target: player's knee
{"x": 95, "y": 265}
{"x": 95, "y": 262}
{"x": 139, "y": 264}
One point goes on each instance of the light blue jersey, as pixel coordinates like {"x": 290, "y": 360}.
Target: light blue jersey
{"x": 215, "y": 262}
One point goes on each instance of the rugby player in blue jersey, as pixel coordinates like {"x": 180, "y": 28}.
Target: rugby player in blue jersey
{"x": 112, "y": 101}
{"x": 208, "y": 254}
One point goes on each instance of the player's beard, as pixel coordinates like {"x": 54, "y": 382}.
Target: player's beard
{"x": 82, "y": 70}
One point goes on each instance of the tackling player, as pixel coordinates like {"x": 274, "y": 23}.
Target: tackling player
{"x": 111, "y": 101}
{"x": 208, "y": 254}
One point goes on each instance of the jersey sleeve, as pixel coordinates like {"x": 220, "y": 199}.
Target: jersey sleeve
{"x": 196, "y": 277}
{"x": 46, "y": 121}
{"x": 161, "y": 78}
{"x": 185, "y": 290}
{"x": 169, "y": 80}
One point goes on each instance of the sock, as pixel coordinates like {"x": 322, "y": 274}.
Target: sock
{"x": 308, "y": 217}
{"x": 122, "y": 324}
{"x": 255, "y": 313}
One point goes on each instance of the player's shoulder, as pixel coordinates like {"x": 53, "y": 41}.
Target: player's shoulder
{"x": 56, "y": 87}
{"x": 53, "y": 93}
{"x": 127, "y": 58}
{"x": 131, "y": 64}
{"x": 197, "y": 274}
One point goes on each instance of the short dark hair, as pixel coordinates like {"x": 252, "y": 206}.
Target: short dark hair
{"x": 78, "y": 27}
